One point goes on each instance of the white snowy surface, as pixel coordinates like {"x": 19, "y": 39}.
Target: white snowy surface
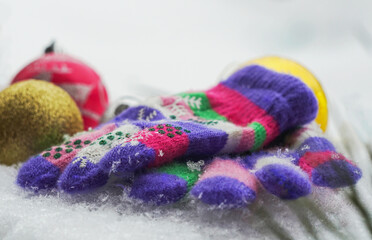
{"x": 110, "y": 214}
{"x": 146, "y": 47}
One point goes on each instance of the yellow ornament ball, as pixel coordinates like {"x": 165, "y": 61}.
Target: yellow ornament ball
{"x": 34, "y": 115}
{"x": 291, "y": 67}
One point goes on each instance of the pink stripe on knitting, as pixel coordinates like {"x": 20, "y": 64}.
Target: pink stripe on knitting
{"x": 232, "y": 169}
{"x": 66, "y": 158}
{"x": 311, "y": 160}
{"x": 246, "y": 141}
{"x": 166, "y": 148}
{"x": 240, "y": 110}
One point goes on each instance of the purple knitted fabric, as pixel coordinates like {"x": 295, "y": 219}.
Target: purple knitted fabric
{"x": 292, "y": 97}
{"x": 320, "y": 160}
{"x": 241, "y": 114}
{"x": 139, "y": 113}
{"x": 37, "y": 173}
{"x": 276, "y": 173}
{"x": 159, "y": 188}
{"x": 223, "y": 191}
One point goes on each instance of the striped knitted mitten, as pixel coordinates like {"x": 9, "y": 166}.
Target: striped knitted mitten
{"x": 320, "y": 160}
{"x": 252, "y": 107}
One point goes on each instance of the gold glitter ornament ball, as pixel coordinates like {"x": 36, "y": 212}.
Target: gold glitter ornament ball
{"x": 34, "y": 115}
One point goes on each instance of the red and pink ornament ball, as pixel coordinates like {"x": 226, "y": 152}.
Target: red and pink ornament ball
{"x": 82, "y": 83}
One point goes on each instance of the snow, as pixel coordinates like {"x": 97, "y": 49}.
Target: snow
{"x": 110, "y": 214}
{"x": 144, "y": 48}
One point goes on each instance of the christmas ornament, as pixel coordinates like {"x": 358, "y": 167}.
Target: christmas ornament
{"x": 78, "y": 79}
{"x": 34, "y": 115}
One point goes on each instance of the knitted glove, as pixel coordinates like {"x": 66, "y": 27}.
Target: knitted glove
{"x": 243, "y": 113}
{"x": 231, "y": 182}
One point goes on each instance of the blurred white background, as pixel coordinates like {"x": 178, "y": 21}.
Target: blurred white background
{"x": 145, "y": 47}
{"x": 178, "y": 45}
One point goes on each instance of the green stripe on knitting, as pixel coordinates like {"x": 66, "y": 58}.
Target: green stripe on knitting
{"x": 181, "y": 170}
{"x": 259, "y": 134}
{"x": 199, "y": 104}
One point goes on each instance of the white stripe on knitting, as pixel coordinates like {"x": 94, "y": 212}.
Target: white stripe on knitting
{"x": 175, "y": 109}
{"x": 264, "y": 161}
{"x": 286, "y": 161}
{"x": 193, "y": 101}
{"x": 178, "y": 109}
{"x": 135, "y": 143}
{"x": 140, "y": 114}
{"x": 156, "y": 102}
{"x": 94, "y": 152}
{"x": 234, "y": 135}
{"x": 161, "y": 153}
{"x": 310, "y": 130}
{"x": 151, "y": 116}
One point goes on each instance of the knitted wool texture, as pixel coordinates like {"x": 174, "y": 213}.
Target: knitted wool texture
{"x": 226, "y": 182}
{"x": 43, "y": 170}
{"x": 320, "y": 160}
{"x": 252, "y": 107}
{"x": 167, "y": 184}
{"x": 311, "y": 159}
{"x": 275, "y": 170}
{"x": 280, "y": 176}
{"x": 286, "y": 173}
{"x": 232, "y": 182}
